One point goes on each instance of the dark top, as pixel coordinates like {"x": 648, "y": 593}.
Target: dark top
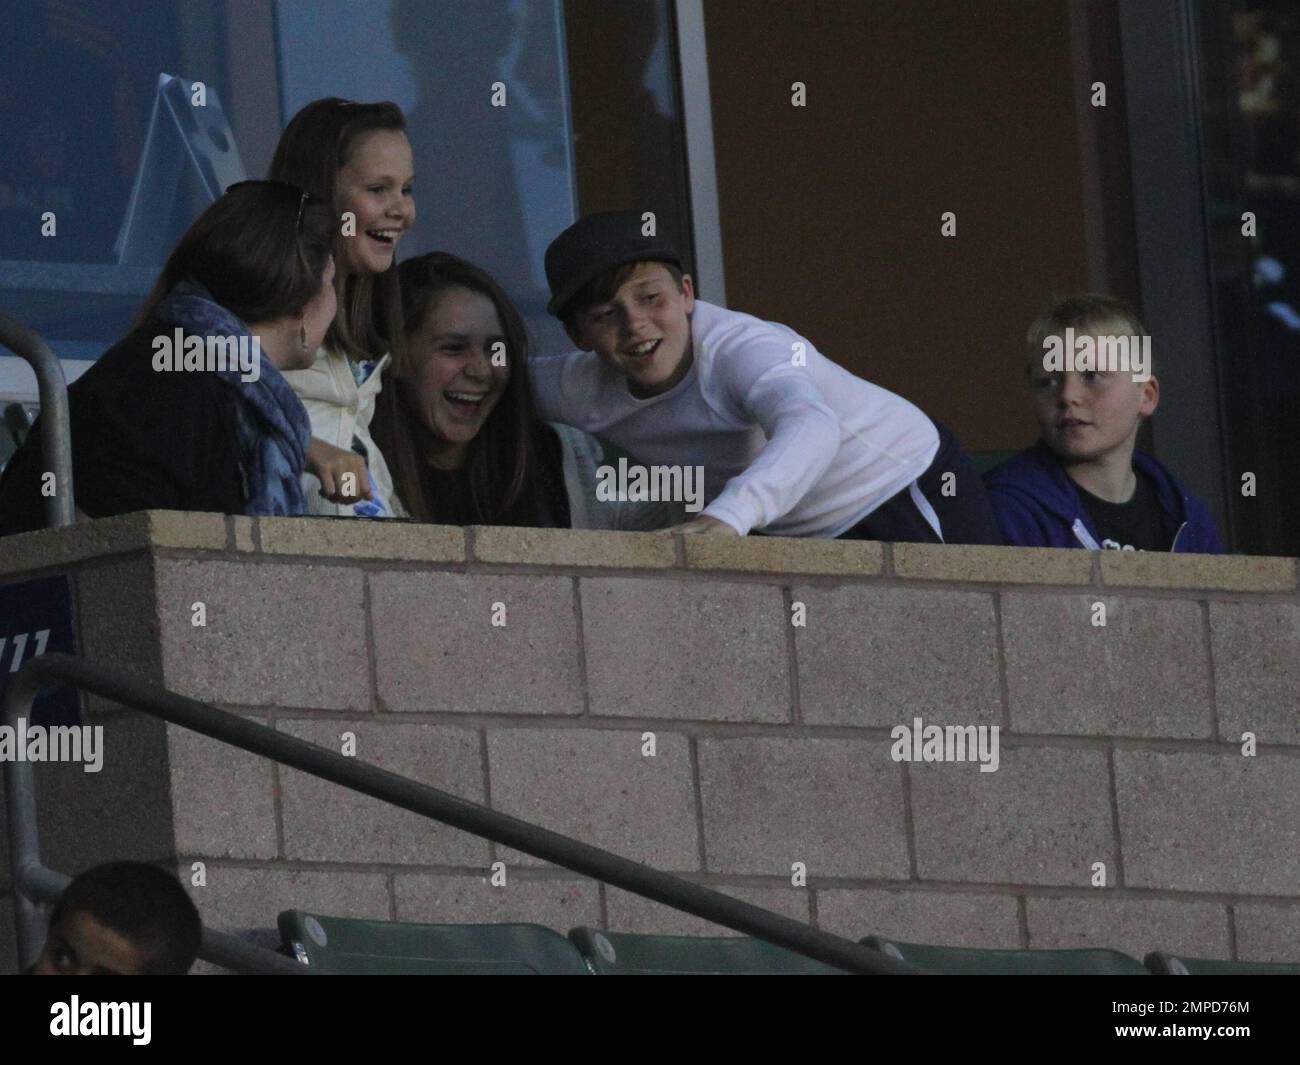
{"x": 1037, "y": 505}
{"x": 546, "y": 506}
{"x": 1134, "y": 525}
{"x": 142, "y": 439}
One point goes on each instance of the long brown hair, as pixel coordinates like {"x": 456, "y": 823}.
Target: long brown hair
{"x": 252, "y": 253}
{"x": 505, "y": 463}
{"x": 315, "y": 145}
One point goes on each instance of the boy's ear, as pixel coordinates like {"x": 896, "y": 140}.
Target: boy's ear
{"x": 688, "y": 290}
{"x": 1150, "y": 396}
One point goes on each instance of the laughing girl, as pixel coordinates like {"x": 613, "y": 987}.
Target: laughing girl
{"x": 357, "y": 158}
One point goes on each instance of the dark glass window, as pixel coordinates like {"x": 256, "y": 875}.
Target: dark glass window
{"x": 1250, "y": 104}
{"x": 628, "y": 138}
{"x": 87, "y": 133}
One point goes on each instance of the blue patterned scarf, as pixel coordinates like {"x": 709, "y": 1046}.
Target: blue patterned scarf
{"x": 273, "y": 426}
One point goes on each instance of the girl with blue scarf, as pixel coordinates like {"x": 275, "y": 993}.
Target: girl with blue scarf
{"x": 191, "y": 411}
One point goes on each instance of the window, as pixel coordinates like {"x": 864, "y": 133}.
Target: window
{"x": 485, "y": 87}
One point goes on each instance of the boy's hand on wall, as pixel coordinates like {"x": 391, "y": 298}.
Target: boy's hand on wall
{"x": 331, "y": 465}
{"x": 704, "y": 524}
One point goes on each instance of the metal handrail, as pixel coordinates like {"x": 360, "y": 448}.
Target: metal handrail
{"x": 56, "y": 431}
{"x": 397, "y": 791}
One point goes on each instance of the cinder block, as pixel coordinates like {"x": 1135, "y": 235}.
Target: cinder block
{"x": 117, "y": 535}
{"x": 1043, "y": 817}
{"x": 948, "y": 919}
{"x": 595, "y": 786}
{"x": 412, "y": 542}
{"x": 686, "y": 649}
{"x": 1143, "y": 673}
{"x": 244, "y": 898}
{"x": 1232, "y": 573}
{"x": 284, "y": 635}
{"x": 122, "y": 812}
{"x": 437, "y": 647}
{"x": 222, "y": 798}
{"x": 785, "y": 554}
{"x": 243, "y": 529}
{"x": 881, "y": 656}
{"x": 1267, "y": 932}
{"x": 117, "y": 611}
{"x": 326, "y": 822}
{"x": 573, "y": 547}
{"x": 633, "y": 913}
{"x": 45, "y": 548}
{"x": 556, "y": 904}
{"x": 835, "y": 805}
{"x": 1203, "y": 822}
{"x": 1134, "y": 926}
{"x": 1256, "y": 648}
{"x": 186, "y": 529}
{"x": 1003, "y": 565}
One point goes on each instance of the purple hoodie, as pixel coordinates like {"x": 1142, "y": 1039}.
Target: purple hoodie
{"x": 1037, "y": 505}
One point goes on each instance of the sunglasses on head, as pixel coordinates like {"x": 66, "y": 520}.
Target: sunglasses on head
{"x": 304, "y": 197}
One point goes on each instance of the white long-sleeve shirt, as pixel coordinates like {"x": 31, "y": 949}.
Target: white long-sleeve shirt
{"x": 790, "y": 443}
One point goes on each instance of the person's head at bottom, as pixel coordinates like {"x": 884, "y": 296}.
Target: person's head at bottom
{"x": 125, "y": 919}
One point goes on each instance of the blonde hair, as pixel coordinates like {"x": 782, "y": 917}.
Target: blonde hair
{"x": 1086, "y": 312}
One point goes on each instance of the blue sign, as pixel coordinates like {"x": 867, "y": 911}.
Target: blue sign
{"x": 36, "y": 619}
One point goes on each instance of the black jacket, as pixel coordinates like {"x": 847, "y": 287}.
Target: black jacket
{"x": 142, "y": 439}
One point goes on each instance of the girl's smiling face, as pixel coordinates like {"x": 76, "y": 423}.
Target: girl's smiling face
{"x": 375, "y": 185}
{"x": 453, "y": 385}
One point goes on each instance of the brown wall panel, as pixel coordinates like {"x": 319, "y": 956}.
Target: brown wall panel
{"x": 831, "y": 212}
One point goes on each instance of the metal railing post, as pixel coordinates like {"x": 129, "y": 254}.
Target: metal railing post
{"x": 34, "y": 884}
{"x": 56, "y": 431}
{"x": 450, "y": 810}
{"x": 24, "y": 838}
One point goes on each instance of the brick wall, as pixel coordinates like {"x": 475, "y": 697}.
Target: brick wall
{"x": 1120, "y": 744}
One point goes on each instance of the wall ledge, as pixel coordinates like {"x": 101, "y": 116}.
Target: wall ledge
{"x": 361, "y": 541}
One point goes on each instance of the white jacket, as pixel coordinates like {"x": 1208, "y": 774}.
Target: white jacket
{"x": 340, "y": 410}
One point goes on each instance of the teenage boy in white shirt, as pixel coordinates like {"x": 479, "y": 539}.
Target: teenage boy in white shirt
{"x": 790, "y": 443}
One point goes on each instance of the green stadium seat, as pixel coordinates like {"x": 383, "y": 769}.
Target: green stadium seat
{"x": 629, "y": 954}
{"x": 340, "y": 945}
{"x": 971, "y": 961}
{"x": 1163, "y": 964}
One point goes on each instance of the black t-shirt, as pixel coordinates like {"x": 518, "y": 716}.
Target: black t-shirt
{"x": 1137, "y": 525}
{"x": 142, "y": 439}
{"x": 449, "y": 493}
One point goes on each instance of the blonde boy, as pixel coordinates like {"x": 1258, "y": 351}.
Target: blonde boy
{"x": 1084, "y": 484}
